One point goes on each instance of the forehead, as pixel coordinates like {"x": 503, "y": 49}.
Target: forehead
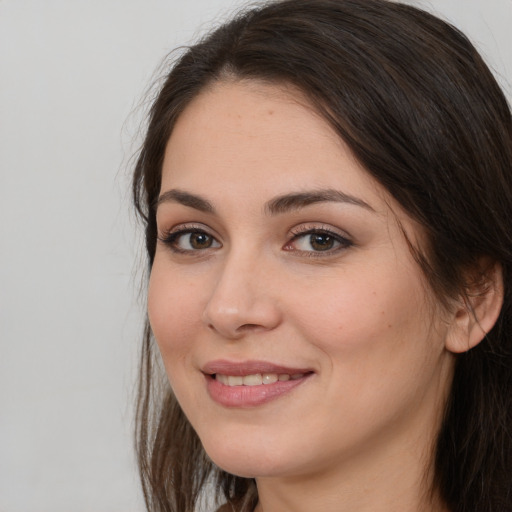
{"x": 250, "y": 135}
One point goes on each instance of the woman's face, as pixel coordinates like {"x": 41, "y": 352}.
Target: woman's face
{"x": 297, "y": 331}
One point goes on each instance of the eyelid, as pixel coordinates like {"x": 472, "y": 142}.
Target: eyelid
{"x": 183, "y": 226}
{"x": 169, "y": 236}
{"x": 342, "y": 237}
{"x": 313, "y": 227}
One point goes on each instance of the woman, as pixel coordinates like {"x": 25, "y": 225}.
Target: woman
{"x": 325, "y": 186}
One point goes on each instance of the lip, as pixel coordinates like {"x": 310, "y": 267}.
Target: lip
{"x": 250, "y": 396}
{"x": 243, "y": 368}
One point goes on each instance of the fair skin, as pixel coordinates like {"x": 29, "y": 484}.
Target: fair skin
{"x": 321, "y": 283}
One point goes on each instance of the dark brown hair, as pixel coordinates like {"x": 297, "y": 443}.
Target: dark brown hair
{"x": 421, "y": 111}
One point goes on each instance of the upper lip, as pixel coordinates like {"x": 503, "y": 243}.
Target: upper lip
{"x": 242, "y": 368}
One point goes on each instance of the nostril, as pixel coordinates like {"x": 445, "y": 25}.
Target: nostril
{"x": 248, "y": 327}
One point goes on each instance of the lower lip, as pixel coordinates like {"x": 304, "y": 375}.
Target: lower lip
{"x": 250, "y": 396}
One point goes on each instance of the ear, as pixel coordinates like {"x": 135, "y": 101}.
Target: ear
{"x": 476, "y": 313}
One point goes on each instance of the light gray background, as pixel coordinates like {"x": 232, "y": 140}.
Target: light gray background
{"x": 72, "y": 73}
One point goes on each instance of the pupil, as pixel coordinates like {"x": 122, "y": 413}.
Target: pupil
{"x": 200, "y": 241}
{"x": 321, "y": 242}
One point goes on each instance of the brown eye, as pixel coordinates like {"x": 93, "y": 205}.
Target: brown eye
{"x": 190, "y": 241}
{"x": 200, "y": 240}
{"x": 318, "y": 241}
{"x": 321, "y": 242}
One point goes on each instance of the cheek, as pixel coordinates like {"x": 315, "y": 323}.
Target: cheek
{"x": 380, "y": 355}
{"x": 349, "y": 306}
{"x": 369, "y": 328}
{"x": 174, "y": 311}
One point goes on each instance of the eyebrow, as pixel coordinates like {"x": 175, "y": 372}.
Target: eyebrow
{"x": 278, "y": 205}
{"x": 296, "y": 201}
{"x": 186, "y": 199}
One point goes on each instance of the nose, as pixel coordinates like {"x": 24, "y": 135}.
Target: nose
{"x": 243, "y": 299}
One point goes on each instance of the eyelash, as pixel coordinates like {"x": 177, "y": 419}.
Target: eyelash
{"x": 304, "y": 231}
{"x": 171, "y": 238}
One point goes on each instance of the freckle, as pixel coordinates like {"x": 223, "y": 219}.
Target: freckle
{"x": 270, "y": 112}
{"x": 389, "y": 326}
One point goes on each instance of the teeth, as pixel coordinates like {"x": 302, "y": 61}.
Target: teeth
{"x": 270, "y": 378}
{"x": 223, "y": 379}
{"x": 235, "y": 380}
{"x": 256, "y": 379}
{"x": 253, "y": 380}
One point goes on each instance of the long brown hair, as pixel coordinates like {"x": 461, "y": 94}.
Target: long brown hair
{"x": 421, "y": 111}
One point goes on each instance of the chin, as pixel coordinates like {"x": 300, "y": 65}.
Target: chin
{"x": 247, "y": 461}
{"x": 248, "y": 469}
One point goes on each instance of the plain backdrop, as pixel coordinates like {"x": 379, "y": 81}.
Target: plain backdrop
{"x": 72, "y": 76}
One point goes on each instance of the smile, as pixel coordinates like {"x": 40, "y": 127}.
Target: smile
{"x": 256, "y": 379}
